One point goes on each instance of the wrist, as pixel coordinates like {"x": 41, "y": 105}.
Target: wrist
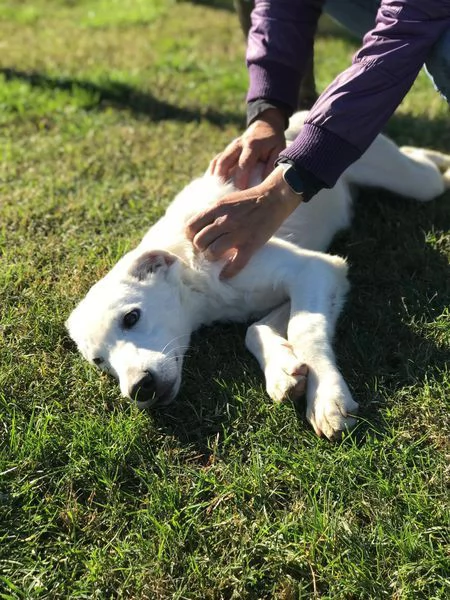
{"x": 259, "y": 105}
{"x": 281, "y": 191}
{"x": 274, "y": 117}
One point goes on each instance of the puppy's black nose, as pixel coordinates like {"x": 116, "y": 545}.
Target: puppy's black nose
{"x": 145, "y": 389}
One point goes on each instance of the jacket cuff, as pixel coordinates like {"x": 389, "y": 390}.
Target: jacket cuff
{"x": 321, "y": 152}
{"x": 281, "y": 86}
{"x": 256, "y": 107}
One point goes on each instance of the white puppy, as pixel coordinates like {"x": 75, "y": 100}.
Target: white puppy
{"x": 136, "y": 322}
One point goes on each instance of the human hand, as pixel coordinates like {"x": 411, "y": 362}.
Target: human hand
{"x": 262, "y": 142}
{"x": 242, "y": 222}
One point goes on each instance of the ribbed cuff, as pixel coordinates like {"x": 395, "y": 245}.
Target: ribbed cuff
{"x": 256, "y": 107}
{"x": 321, "y": 152}
{"x": 282, "y": 85}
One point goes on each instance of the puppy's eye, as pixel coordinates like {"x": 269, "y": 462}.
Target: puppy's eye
{"x": 98, "y": 360}
{"x": 131, "y": 318}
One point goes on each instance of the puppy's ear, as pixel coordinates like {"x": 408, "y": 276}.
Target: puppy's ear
{"x": 151, "y": 262}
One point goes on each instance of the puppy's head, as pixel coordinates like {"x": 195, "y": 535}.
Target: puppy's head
{"x": 132, "y": 324}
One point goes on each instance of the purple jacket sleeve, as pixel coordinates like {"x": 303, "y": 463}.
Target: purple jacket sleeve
{"x": 354, "y": 108}
{"x": 279, "y": 44}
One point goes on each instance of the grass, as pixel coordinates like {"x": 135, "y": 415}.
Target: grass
{"x": 222, "y": 496}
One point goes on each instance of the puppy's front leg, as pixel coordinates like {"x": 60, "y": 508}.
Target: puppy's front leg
{"x": 285, "y": 374}
{"x": 316, "y": 285}
{"x": 315, "y": 305}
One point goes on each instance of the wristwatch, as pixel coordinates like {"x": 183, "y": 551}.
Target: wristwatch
{"x": 292, "y": 178}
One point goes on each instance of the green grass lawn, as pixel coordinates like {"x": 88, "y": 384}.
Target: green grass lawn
{"x": 107, "y": 108}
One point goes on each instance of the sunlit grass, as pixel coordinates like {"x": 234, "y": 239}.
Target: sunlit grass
{"x": 106, "y": 110}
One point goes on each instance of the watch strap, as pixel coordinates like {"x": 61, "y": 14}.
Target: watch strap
{"x": 311, "y": 184}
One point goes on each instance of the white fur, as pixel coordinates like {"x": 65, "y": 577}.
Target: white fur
{"x": 295, "y": 290}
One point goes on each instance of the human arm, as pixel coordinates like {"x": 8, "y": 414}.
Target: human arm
{"x": 355, "y": 107}
{"x": 280, "y": 44}
{"x": 348, "y": 115}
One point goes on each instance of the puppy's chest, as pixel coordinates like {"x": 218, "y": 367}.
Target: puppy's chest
{"x": 230, "y": 304}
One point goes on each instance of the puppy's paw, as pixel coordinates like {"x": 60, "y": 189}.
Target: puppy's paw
{"x": 285, "y": 375}
{"x": 439, "y": 159}
{"x": 446, "y": 178}
{"x": 332, "y": 410}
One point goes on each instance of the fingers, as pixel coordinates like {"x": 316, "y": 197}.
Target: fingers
{"x": 217, "y": 242}
{"x": 208, "y": 235}
{"x": 221, "y": 248}
{"x": 223, "y": 163}
{"x": 212, "y": 165}
{"x": 197, "y": 223}
{"x": 223, "y": 217}
{"x": 236, "y": 263}
{"x": 247, "y": 161}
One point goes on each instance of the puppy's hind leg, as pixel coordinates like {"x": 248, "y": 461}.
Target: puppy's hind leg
{"x": 285, "y": 374}
{"x": 425, "y": 156}
{"x": 412, "y": 172}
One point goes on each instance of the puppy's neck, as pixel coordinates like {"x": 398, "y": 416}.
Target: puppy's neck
{"x": 203, "y": 294}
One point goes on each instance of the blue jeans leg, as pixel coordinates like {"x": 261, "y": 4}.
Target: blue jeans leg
{"x": 438, "y": 65}
{"x": 358, "y": 16}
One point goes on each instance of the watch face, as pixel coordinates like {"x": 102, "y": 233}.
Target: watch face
{"x": 292, "y": 178}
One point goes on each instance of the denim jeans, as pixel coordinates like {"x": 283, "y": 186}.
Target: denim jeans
{"x": 358, "y": 16}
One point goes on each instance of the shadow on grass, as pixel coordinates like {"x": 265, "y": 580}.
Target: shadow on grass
{"x": 124, "y": 96}
{"x": 410, "y": 130}
{"x": 217, "y": 374}
{"x": 397, "y": 278}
